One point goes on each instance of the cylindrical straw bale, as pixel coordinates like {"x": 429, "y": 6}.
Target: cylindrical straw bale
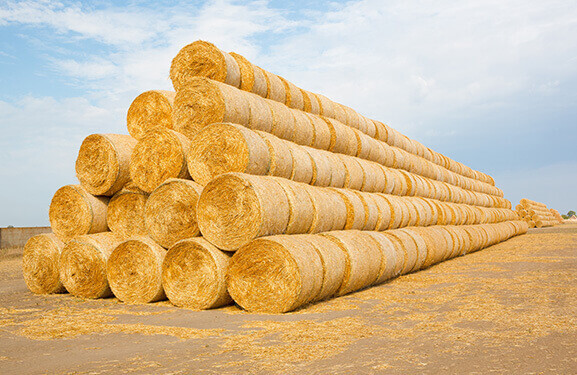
{"x": 339, "y": 173}
{"x": 203, "y": 102}
{"x": 421, "y": 247}
{"x": 303, "y": 165}
{"x": 325, "y": 105}
{"x": 284, "y": 122}
{"x": 261, "y": 115}
{"x": 339, "y": 113}
{"x": 40, "y": 260}
{"x": 322, "y": 133}
{"x": 224, "y": 147}
{"x": 371, "y": 210}
{"x": 390, "y": 179}
{"x": 134, "y": 271}
{"x": 236, "y": 208}
{"x": 451, "y": 243}
{"x": 363, "y": 259}
{"x": 333, "y": 261}
{"x": 125, "y": 213}
{"x": 345, "y": 141}
{"x": 83, "y": 264}
{"x": 149, "y": 111}
{"x": 410, "y": 247}
{"x": 193, "y": 275}
{"x": 275, "y": 274}
{"x": 390, "y": 264}
{"x": 281, "y": 159}
{"x": 384, "y": 210}
{"x": 396, "y": 212}
{"x": 301, "y": 208}
{"x": 374, "y": 180}
{"x": 311, "y": 103}
{"x": 356, "y": 214}
{"x": 433, "y": 244}
{"x": 158, "y": 156}
{"x": 260, "y": 86}
{"x": 355, "y": 173}
{"x": 170, "y": 212}
{"x": 247, "y": 76}
{"x": 330, "y": 211}
{"x": 103, "y": 163}
{"x": 203, "y": 59}
{"x": 74, "y": 212}
{"x": 304, "y": 131}
{"x": 294, "y": 96}
{"x": 276, "y": 90}
{"x": 322, "y": 163}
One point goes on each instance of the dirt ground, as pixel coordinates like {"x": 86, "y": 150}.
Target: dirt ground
{"x": 511, "y": 308}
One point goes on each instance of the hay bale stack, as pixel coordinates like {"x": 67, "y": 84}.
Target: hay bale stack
{"x": 103, "y": 163}
{"x": 134, "y": 271}
{"x": 193, "y": 275}
{"x": 74, "y": 212}
{"x": 158, "y": 156}
{"x": 40, "y": 261}
{"x": 536, "y": 214}
{"x": 170, "y": 212}
{"x": 82, "y": 264}
{"x": 150, "y": 110}
{"x": 125, "y": 214}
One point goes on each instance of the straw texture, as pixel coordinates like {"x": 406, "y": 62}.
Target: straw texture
{"x": 149, "y": 111}
{"x": 40, "y": 260}
{"x": 125, "y": 213}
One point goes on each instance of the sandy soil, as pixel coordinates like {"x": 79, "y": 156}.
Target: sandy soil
{"x": 511, "y": 308}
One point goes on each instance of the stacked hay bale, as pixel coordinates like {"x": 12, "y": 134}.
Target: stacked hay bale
{"x": 536, "y": 214}
{"x": 241, "y": 186}
{"x": 557, "y": 215}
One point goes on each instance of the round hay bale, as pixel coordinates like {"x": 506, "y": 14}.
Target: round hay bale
{"x": 339, "y": 173}
{"x": 260, "y": 86}
{"x": 321, "y": 133}
{"x": 193, "y": 275}
{"x": 451, "y": 242}
{"x": 284, "y": 122}
{"x": 247, "y": 76}
{"x": 301, "y": 208}
{"x": 339, "y": 113}
{"x": 158, "y": 156}
{"x": 355, "y": 176}
{"x": 281, "y": 159}
{"x": 356, "y": 214}
{"x": 421, "y": 246}
{"x": 303, "y": 165}
{"x": 134, "y": 271}
{"x": 260, "y": 113}
{"x": 330, "y": 212}
{"x": 74, "y": 212}
{"x": 322, "y": 166}
{"x": 170, "y": 212}
{"x": 303, "y": 132}
{"x": 206, "y": 60}
{"x": 325, "y": 105}
{"x": 371, "y": 210}
{"x": 275, "y": 274}
{"x": 390, "y": 265}
{"x": 40, "y": 260}
{"x": 82, "y": 264}
{"x": 149, "y": 111}
{"x": 390, "y": 180}
{"x": 125, "y": 213}
{"x": 373, "y": 180}
{"x": 409, "y": 246}
{"x": 343, "y": 138}
{"x": 203, "y": 102}
{"x": 432, "y": 242}
{"x": 294, "y": 95}
{"x": 396, "y": 211}
{"x": 384, "y": 212}
{"x": 236, "y": 208}
{"x": 224, "y": 147}
{"x": 276, "y": 90}
{"x": 333, "y": 261}
{"x": 311, "y": 103}
{"x": 363, "y": 259}
{"x": 102, "y": 165}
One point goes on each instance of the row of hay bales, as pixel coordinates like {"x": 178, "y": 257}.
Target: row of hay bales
{"x": 536, "y": 214}
{"x": 213, "y": 169}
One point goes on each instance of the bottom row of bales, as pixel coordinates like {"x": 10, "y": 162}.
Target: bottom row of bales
{"x": 270, "y": 274}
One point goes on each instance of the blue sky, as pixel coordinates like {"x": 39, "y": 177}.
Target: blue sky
{"x": 489, "y": 83}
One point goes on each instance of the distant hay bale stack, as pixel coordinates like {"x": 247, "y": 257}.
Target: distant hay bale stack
{"x": 275, "y": 274}
{"x": 193, "y": 275}
{"x": 149, "y": 111}
{"x": 83, "y": 264}
{"x": 74, "y": 212}
{"x": 224, "y": 147}
{"x": 40, "y": 261}
{"x": 206, "y": 60}
{"x": 158, "y": 156}
{"x": 134, "y": 271}
{"x": 102, "y": 165}
{"x": 236, "y": 208}
{"x": 125, "y": 213}
{"x": 363, "y": 259}
{"x": 170, "y": 211}
{"x": 203, "y": 102}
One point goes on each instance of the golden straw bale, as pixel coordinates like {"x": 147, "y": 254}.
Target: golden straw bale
{"x": 396, "y": 211}
{"x": 321, "y": 132}
{"x": 433, "y": 245}
{"x": 390, "y": 264}
{"x": 203, "y": 59}
{"x": 372, "y": 210}
{"x": 224, "y": 147}
{"x": 74, "y": 212}
{"x": 284, "y": 123}
{"x": 103, "y": 162}
{"x": 355, "y": 175}
{"x": 281, "y": 159}
{"x": 339, "y": 113}
{"x": 160, "y": 155}
{"x": 260, "y": 86}
{"x": 404, "y": 209}
{"x": 363, "y": 259}
{"x": 236, "y": 208}
{"x": 303, "y": 165}
{"x": 325, "y": 105}
{"x": 421, "y": 247}
{"x": 339, "y": 173}
{"x": 193, "y": 275}
{"x": 301, "y": 208}
{"x": 374, "y": 179}
{"x": 149, "y": 111}
{"x": 356, "y": 213}
{"x": 40, "y": 260}
{"x": 384, "y": 212}
{"x": 314, "y": 107}
{"x": 82, "y": 264}
{"x": 134, "y": 271}
{"x": 330, "y": 211}
{"x": 203, "y": 102}
{"x": 343, "y": 139}
{"x": 276, "y": 89}
{"x": 322, "y": 166}
{"x": 390, "y": 180}
{"x": 125, "y": 213}
{"x": 413, "y": 214}
{"x": 170, "y": 212}
{"x": 275, "y": 274}
{"x": 294, "y": 95}
{"x": 333, "y": 261}
{"x": 304, "y": 131}
{"x": 247, "y": 78}
{"x": 409, "y": 246}
{"x": 452, "y": 243}
{"x": 261, "y": 115}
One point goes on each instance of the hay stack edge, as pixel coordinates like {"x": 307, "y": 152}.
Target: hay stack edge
{"x": 240, "y": 186}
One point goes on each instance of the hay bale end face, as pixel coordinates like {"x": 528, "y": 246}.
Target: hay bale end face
{"x": 134, "y": 271}
{"x": 149, "y": 111}
{"x": 193, "y": 275}
{"x": 40, "y": 261}
{"x": 125, "y": 214}
{"x": 74, "y": 212}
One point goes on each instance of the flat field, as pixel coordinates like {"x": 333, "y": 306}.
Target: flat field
{"x": 511, "y": 308}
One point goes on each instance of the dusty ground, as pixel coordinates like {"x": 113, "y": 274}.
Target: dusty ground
{"x": 511, "y": 308}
